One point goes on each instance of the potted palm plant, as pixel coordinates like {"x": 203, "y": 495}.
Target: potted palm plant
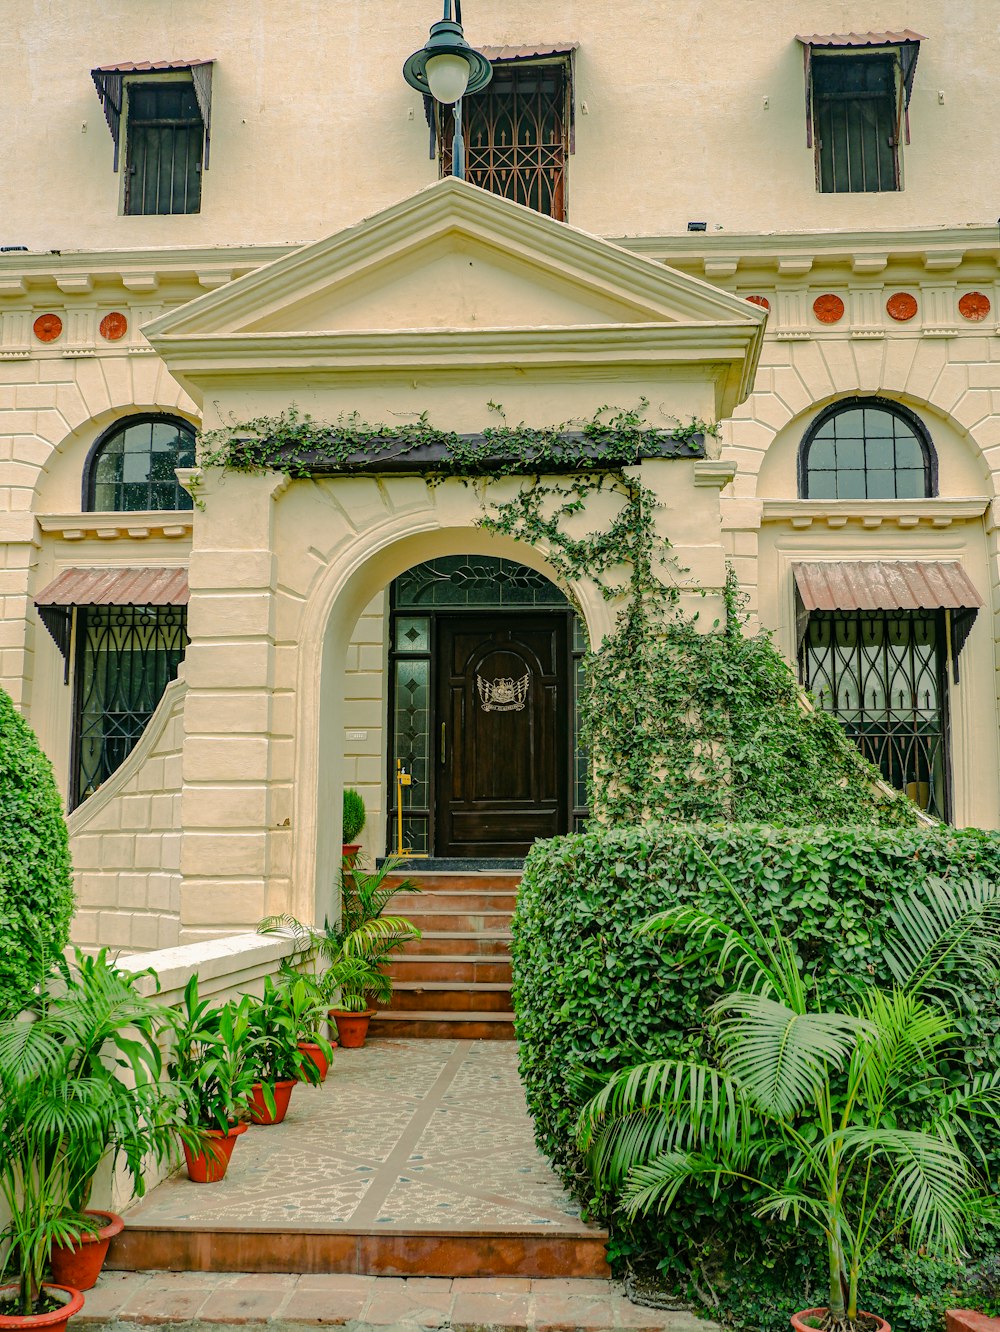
{"x": 356, "y": 948}
{"x": 845, "y": 1117}
{"x": 63, "y": 1108}
{"x": 354, "y": 822}
{"x": 111, "y": 1035}
{"x": 212, "y": 1064}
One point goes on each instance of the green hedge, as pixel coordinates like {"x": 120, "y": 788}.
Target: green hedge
{"x": 36, "y": 887}
{"x": 590, "y": 995}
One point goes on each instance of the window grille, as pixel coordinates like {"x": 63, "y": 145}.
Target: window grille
{"x": 516, "y": 136}
{"x": 866, "y": 448}
{"x": 856, "y": 107}
{"x": 132, "y": 468}
{"x": 125, "y": 658}
{"x": 882, "y": 675}
{"x": 164, "y": 145}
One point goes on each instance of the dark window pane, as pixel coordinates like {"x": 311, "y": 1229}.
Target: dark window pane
{"x": 880, "y": 455}
{"x": 849, "y": 424}
{"x": 822, "y": 453}
{"x": 134, "y": 469}
{"x": 854, "y": 108}
{"x": 908, "y": 451}
{"x": 850, "y": 485}
{"x": 881, "y": 485}
{"x": 850, "y": 453}
{"x": 822, "y": 485}
{"x": 164, "y": 140}
{"x": 910, "y": 484}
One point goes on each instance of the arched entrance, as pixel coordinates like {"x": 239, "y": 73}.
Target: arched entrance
{"x": 483, "y": 741}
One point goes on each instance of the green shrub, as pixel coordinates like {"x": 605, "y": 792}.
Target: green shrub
{"x": 36, "y": 887}
{"x": 591, "y": 995}
{"x": 354, "y": 814}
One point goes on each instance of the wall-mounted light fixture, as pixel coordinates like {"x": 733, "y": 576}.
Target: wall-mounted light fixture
{"x": 447, "y": 68}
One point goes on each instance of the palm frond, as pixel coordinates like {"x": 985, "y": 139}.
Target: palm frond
{"x": 777, "y": 1057}
{"x": 942, "y": 920}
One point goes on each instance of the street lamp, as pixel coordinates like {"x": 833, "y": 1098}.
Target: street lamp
{"x": 447, "y": 68}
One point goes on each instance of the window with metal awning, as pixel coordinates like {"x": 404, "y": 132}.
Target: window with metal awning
{"x": 875, "y": 638}
{"x": 858, "y": 87}
{"x": 124, "y": 630}
{"x": 109, "y": 81}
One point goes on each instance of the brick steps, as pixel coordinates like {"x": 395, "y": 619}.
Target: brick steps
{"x": 440, "y": 1024}
{"x": 475, "y": 967}
{"x": 455, "y": 981}
{"x": 438, "y": 943}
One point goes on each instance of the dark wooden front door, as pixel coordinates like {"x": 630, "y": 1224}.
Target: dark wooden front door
{"x": 503, "y": 707}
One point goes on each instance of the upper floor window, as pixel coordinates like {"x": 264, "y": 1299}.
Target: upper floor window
{"x": 518, "y": 130}
{"x": 163, "y": 110}
{"x": 857, "y": 98}
{"x": 131, "y": 468}
{"x": 164, "y": 136}
{"x": 867, "y": 448}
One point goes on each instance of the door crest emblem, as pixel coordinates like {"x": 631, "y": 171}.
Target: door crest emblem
{"x": 504, "y": 694}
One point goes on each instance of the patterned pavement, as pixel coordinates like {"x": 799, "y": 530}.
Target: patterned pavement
{"x": 414, "y": 1134}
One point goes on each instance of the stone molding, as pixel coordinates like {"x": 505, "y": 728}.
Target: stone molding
{"x": 138, "y": 526}
{"x": 871, "y": 514}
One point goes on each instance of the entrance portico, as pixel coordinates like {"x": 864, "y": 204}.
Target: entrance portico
{"x": 445, "y": 305}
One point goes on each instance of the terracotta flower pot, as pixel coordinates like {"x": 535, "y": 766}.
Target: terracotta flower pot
{"x": 210, "y": 1165}
{"x": 800, "y": 1325}
{"x": 349, "y": 851}
{"x": 317, "y": 1056}
{"x": 50, "y": 1322}
{"x": 79, "y": 1266}
{"x": 352, "y": 1028}
{"x": 259, "y": 1113}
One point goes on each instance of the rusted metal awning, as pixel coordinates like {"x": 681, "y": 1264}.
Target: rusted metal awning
{"x": 109, "y": 80}
{"x": 889, "y": 585}
{"x": 106, "y": 587}
{"x": 499, "y": 53}
{"x": 905, "y": 41}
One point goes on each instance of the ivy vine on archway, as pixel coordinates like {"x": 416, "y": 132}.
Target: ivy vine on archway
{"x": 682, "y": 720}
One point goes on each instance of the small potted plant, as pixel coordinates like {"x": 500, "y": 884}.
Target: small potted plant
{"x": 212, "y": 1064}
{"x": 306, "y": 1005}
{"x": 354, "y": 822}
{"x": 278, "y": 1062}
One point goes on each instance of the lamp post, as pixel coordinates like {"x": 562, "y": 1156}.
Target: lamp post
{"x": 447, "y": 68}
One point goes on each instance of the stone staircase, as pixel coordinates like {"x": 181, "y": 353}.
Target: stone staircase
{"x": 455, "y": 981}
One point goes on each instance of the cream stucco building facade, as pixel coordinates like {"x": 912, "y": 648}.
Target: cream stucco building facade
{"x": 844, "y": 336}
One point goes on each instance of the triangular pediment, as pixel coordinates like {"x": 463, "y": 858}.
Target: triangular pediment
{"x": 452, "y": 257}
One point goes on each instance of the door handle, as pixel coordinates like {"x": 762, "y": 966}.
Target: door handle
{"x": 444, "y": 733}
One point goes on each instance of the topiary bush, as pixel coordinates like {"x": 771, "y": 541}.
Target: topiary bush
{"x": 36, "y": 886}
{"x": 354, "y": 814}
{"x": 590, "y": 997}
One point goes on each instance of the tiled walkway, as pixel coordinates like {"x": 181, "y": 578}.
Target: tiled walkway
{"x": 276, "y": 1302}
{"x": 404, "y": 1135}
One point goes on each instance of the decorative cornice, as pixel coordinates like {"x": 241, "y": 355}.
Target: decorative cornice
{"x": 872, "y": 514}
{"x": 714, "y": 472}
{"x": 141, "y": 271}
{"x": 171, "y": 524}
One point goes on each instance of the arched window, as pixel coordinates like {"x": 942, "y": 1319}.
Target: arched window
{"x": 867, "y": 448}
{"x": 131, "y": 467}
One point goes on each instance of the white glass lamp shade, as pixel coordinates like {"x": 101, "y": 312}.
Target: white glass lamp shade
{"x": 447, "y": 77}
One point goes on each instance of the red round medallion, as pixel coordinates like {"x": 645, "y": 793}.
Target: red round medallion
{"x": 114, "y": 326}
{"x": 974, "y": 306}
{"x": 47, "y": 327}
{"x": 901, "y": 306}
{"x": 762, "y": 301}
{"x": 828, "y": 308}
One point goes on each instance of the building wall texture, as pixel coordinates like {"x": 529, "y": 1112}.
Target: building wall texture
{"x": 229, "y": 808}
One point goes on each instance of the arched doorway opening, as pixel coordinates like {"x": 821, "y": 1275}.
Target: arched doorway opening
{"x": 483, "y": 754}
